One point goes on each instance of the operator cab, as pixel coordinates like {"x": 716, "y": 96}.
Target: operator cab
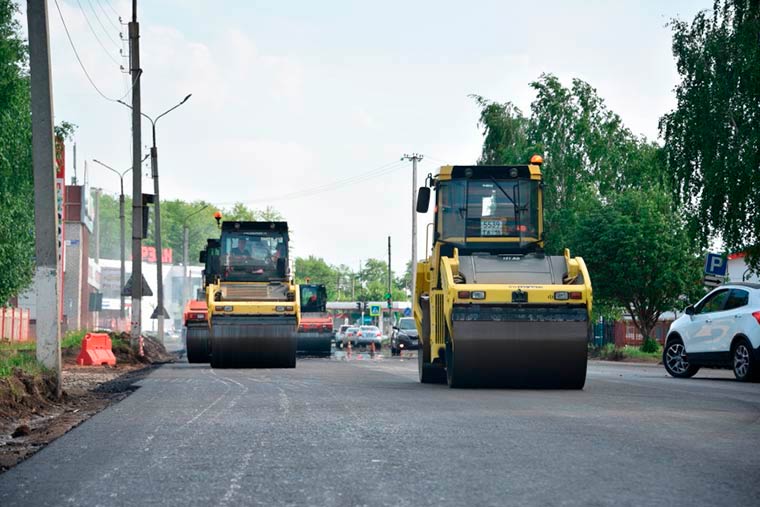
{"x": 313, "y": 298}
{"x": 254, "y": 252}
{"x": 487, "y": 209}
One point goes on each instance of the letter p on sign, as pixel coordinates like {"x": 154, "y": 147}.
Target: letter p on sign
{"x": 716, "y": 265}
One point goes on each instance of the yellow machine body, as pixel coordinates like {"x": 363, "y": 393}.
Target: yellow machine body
{"x": 492, "y": 309}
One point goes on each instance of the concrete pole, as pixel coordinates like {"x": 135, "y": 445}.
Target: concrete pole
{"x": 122, "y": 251}
{"x": 45, "y": 216}
{"x": 160, "y": 312}
{"x": 185, "y": 246}
{"x": 390, "y": 283}
{"x": 137, "y": 207}
{"x": 414, "y": 157}
{"x": 97, "y": 226}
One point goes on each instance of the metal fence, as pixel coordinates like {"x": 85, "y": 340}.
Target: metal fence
{"x": 603, "y": 333}
{"x": 14, "y": 324}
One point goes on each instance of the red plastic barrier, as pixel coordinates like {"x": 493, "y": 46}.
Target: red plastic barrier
{"x": 96, "y": 350}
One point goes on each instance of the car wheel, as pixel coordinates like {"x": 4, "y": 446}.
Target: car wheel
{"x": 743, "y": 362}
{"x": 675, "y": 360}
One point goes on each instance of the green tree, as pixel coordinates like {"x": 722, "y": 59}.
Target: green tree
{"x": 588, "y": 153}
{"x": 637, "y": 251}
{"x": 318, "y": 272}
{"x": 712, "y": 137}
{"x": 16, "y": 181}
{"x": 505, "y": 133}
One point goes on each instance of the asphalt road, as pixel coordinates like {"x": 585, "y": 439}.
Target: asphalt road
{"x": 361, "y": 432}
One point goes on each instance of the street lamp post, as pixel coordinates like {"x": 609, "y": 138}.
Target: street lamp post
{"x": 185, "y": 245}
{"x": 122, "y": 252}
{"x": 160, "y": 311}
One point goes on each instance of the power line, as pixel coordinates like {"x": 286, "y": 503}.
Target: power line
{"x": 92, "y": 30}
{"x": 108, "y": 16}
{"x": 112, "y": 9}
{"x": 81, "y": 65}
{"x": 328, "y": 187}
{"x": 97, "y": 18}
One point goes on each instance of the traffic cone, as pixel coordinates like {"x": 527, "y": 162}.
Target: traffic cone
{"x": 372, "y": 349}
{"x": 348, "y": 352}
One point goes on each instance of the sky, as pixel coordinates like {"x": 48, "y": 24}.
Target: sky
{"x": 309, "y": 106}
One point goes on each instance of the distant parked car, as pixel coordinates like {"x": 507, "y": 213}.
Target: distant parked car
{"x": 721, "y": 331}
{"x": 350, "y": 336}
{"x": 368, "y": 335}
{"x": 404, "y": 336}
{"x": 339, "y": 334}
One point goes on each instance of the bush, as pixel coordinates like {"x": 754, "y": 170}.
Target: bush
{"x": 650, "y": 346}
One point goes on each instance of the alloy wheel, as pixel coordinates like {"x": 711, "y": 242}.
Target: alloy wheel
{"x": 676, "y": 360}
{"x": 741, "y": 360}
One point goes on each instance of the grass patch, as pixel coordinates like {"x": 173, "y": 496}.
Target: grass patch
{"x": 12, "y": 357}
{"x": 73, "y": 339}
{"x": 612, "y": 353}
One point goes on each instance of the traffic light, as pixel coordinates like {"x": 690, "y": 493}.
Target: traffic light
{"x": 359, "y": 306}
{"x": 388, "y": 298}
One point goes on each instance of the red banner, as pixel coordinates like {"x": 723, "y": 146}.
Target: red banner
{"x": 149, "y": 255}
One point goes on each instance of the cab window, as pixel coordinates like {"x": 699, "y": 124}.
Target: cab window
{"x": 736, "y": 299}
{"x": 713, "y": 303}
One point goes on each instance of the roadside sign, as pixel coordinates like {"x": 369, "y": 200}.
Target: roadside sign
{"x": 715, "y": 264}
{"x": 367, "y": 319}
{"x": 407, "y": 312}
{"x": 712, "y": 281}
{"x": 374, "y": 310}
{"x": 127, "y": 290}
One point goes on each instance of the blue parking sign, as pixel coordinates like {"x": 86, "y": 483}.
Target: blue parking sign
{"x": 715, "y": 265}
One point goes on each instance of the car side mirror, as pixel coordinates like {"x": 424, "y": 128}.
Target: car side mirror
{"x": 689, "y": 310}
{"x": 395, "y": 327}
{"x": 423, "y": 199}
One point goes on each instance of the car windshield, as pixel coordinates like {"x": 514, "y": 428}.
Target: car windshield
{"x": 406, "y": 324}
{"x": 254, "y": 256}
{"x": 370, "y": 328}
{"x": 488, "y": 208}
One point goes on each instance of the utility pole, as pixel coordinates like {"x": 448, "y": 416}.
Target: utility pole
{"x": 137, "y": 201}
{"x": 97, "y": 226}
{"x": 390, "y": 287}
{"x": 414, "y": 157}
{"x": 46, "y": 276}
{"x": 122, "y": 241}
{"x": 159, "y": 312}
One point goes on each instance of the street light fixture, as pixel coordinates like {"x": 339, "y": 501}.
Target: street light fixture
{"x": 185, "y": 246}
{"x": 160, "y": 311}
{"x": 122, "y": 253}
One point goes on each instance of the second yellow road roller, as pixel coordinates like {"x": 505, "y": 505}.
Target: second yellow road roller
{"x": 492, "y": 308}
{"x": 253, "y": 305}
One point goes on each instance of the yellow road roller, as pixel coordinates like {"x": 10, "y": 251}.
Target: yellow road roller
{"x": 253, "y": 306}
{"x": 492, "y": 308}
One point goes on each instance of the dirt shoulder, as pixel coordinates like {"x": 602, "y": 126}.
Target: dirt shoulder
{"x": 31, "y": 416}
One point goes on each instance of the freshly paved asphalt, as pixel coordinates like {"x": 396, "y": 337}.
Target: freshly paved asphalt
{"x": 360, "y": 432}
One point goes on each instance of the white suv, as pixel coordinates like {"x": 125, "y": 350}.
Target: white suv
{"x": 721, "y": 331}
